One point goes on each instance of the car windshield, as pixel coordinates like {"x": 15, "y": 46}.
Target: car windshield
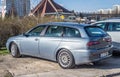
{"x": 95, "y": 31}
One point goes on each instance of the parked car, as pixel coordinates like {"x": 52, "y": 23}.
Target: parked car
{"x": 112, "y": 27}
{"x": 69, "y": 44}
{"x": 70, "y": 19}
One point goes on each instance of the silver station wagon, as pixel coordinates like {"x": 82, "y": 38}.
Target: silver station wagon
{"x": 69, "y": 44}
{"x": 112, "y": 27}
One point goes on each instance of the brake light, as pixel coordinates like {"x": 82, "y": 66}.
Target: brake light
{"x": 91, "y": 43}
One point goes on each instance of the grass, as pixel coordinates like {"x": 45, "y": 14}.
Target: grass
{"x": 3, "y": 51}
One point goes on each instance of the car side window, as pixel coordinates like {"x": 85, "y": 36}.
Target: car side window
{"x": 54, "y": 31}
{"x": 36, "y": 31}
{"x": 114, "y": 27}
{"x": 102, "y": 25}
{"x": 71, "y": 32}
{"x": 110, "y": 27}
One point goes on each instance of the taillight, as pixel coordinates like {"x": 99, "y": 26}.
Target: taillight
{"x": 91, "y": 43}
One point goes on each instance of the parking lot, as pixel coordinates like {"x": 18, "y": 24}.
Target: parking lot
{"x": 36, "y": 67}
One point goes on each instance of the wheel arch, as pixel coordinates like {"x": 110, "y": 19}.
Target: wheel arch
{"x": 60, "y": 50}
{"x": 9, "y": 46}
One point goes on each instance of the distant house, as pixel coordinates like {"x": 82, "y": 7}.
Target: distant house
{"x": 18, "y": 7}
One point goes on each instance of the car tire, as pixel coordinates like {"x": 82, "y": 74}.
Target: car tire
{"x": 116, "y": 53}
{"x": 14, "y": 50}
{"x": 96, "y": 63}
{"x": 65, "y": 59}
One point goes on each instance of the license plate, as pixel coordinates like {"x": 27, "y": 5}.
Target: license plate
{"x": 104, "y": 54}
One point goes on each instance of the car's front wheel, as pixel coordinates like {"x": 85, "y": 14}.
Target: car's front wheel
{"x": 14, "y": 50}
{"x": 65, "y": 59}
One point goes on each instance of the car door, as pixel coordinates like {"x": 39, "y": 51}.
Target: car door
{"x": 30, "y": 41}
{"x": 113, "y": 30}
{"x": 50, "y": 41}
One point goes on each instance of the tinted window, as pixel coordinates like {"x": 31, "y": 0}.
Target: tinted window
{"x": 54, "y": 31}
{"x": 71, "y": 32}
{"x": 114, "y": 27}
{"x": 95, "y": 31}
{"x": 102, "y": 25}
{"x": 36, "y": 31}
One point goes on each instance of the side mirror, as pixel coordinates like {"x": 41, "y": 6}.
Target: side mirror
{"x": 26, "y": 34}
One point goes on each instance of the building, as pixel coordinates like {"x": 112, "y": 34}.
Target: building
{"x": 105, "y": 11}
{"x": 18, "y": 7}
{"x": 116, "y": 9}
{"x": 101, "y": 11}
{"x": 3, "y": 8}
{"x": 49, "y": 7}
{"x": 109, "y": 11}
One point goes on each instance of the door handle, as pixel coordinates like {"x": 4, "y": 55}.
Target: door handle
{"x": 36, "y": 39}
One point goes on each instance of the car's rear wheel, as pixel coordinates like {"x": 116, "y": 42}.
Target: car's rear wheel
{"x": 116, "y": 53}
{"x": 96, "y": 63}
{"x": 14, "y": 50}
{"x": 65, "y": 59}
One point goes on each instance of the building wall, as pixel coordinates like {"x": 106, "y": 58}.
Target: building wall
{"x": 116, "y": 9}
{"x": 8, "y": 6}
{"x": 18, "y": 7}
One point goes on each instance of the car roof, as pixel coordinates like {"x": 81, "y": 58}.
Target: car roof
{"x": 110, "y": 20}
{"x": 68, "y": 24}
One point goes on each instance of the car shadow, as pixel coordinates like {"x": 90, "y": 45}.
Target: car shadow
{"x": 108, "y": 64}
{"x": 111, "y": 63}
{"x": 26, "y": 56}
{"x": 112, "y": 75}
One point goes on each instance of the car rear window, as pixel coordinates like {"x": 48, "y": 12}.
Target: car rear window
{"x": 95, "y": 31}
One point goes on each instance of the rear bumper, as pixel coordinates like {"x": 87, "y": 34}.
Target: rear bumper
{"x": 96, "y": 55}
{"x": 102, "y": 58}
{"x": 88, "y": 56}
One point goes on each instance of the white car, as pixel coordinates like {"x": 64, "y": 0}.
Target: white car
{"x": 112, "y": 26}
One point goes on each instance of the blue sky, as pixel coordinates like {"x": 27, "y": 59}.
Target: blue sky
{"x": 84, "y": 5}
{"x": 87, "y": 5}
